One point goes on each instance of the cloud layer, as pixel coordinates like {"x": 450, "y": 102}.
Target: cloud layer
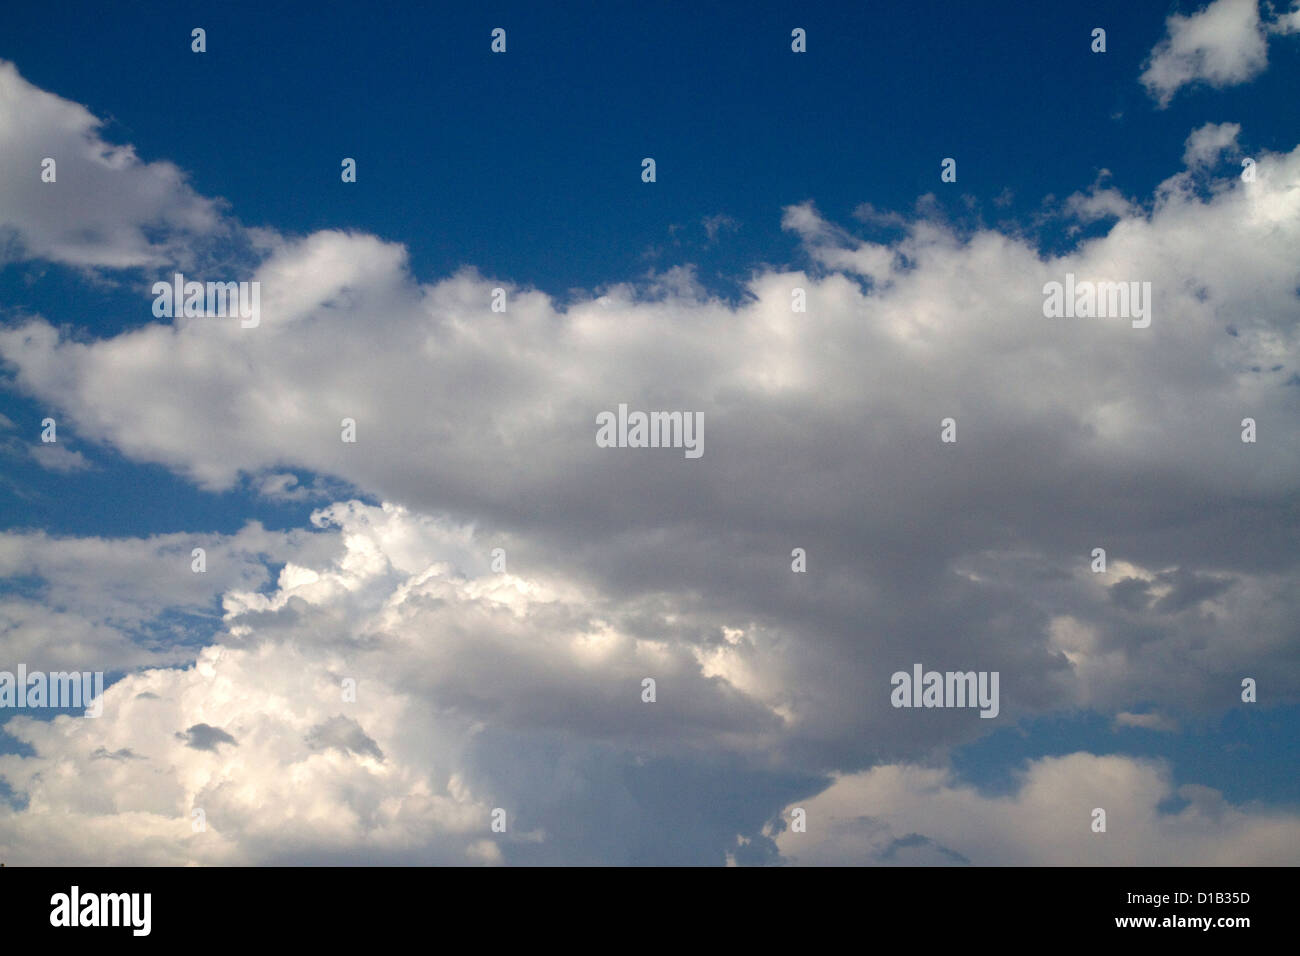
{"x": 480, "y": 688}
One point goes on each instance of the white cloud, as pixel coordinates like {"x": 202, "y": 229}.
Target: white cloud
{"x": 116, "y": 604}
{"x": 466, "y": 678}
{"x": 523, "y": 689}
{"x": 716, "y": 225}
{"x": 56, "y": 457}
{"x": 1151, "y": 721}
{"x": 1206, "y": 144}
{"x": 104, "y": 202}
{"x": 468, "y": 412}
{"x": 1285, "y": 23}
{"x": 1101, "y": 202}
{"x": 1223, "y": 44}
{"x": 452, "y": 667}
{"x": 834, "y": 248}
{"x": 123, "y": 788}
{"x": 909, "y": 815}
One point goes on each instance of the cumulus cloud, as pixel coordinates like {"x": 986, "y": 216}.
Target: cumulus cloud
{"x": 273, "y": 797}
{"x": 988, "y": 539}
{"x": 913, "y": 815}
{"x": 106, "y": 207}
{"x": 1223, "y": 44}
{"x": 1207, "y": 144}
{"x": 474, "y": 689}
{"x": 521, "y": 689}
{"x": 1100, "y": 202}
{"x": 109, "y": 605}
{"x": 471, "y": 690}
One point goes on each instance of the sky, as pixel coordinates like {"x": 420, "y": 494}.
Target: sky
{"x": 495, "y": 585}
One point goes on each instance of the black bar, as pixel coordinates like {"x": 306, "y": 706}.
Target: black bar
{"x": 924, "y": 905}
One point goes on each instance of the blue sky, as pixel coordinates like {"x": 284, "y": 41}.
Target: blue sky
{"x": 774, "y": 169}
{"x": 528, "y": 166}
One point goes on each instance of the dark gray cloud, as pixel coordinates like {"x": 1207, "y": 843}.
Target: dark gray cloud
{"x": 345, "y": 734}
{"x": 206, "y": 737}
